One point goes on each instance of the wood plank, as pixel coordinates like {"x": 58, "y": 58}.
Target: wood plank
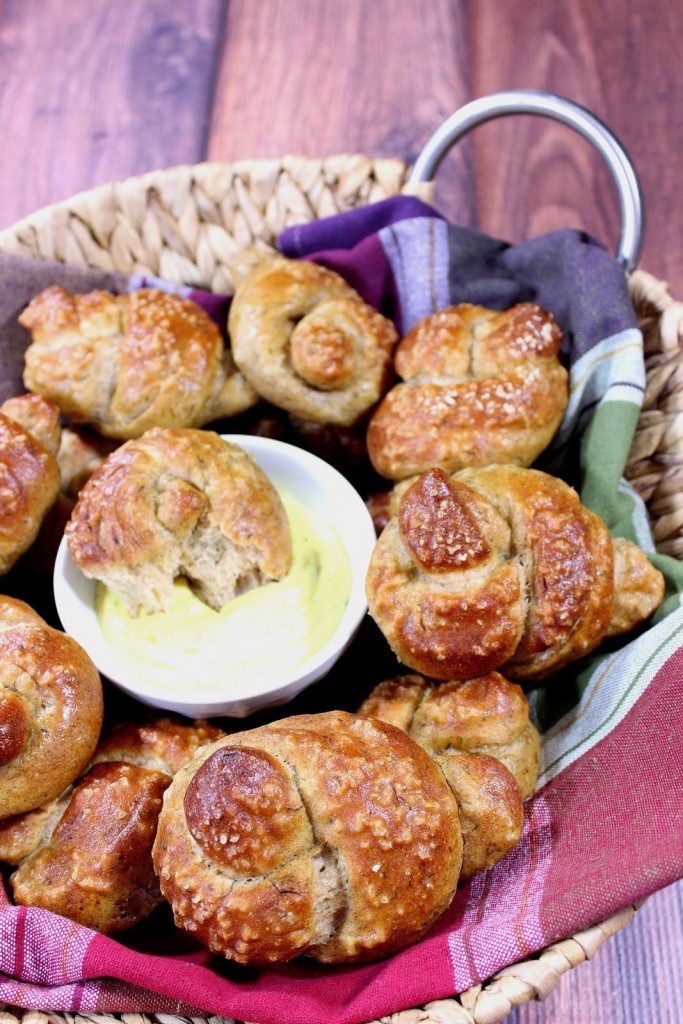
{"x": 318, "y": 78}
{"x": 93, "y": 92}
{"x": 634, "y": 978}
{"x": 534, "y": 176}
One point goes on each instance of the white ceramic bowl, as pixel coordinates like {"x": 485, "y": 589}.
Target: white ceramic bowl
{"x": 315, "y": 485}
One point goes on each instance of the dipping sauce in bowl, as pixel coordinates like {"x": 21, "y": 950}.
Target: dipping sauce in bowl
{"x": 258, "y": 635}
{"x": 264, "y": 646}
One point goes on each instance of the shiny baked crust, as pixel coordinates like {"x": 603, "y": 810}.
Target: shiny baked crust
{"x": 488, "y": 715}
{"x": 50, "y": 709}
{"x": 179, "y": 503}
{"x": 29, "y": 475}
{"x": 308, "y": 343}
{"x": 38, "y": 417}
{"x": 638, "y": 587}
{"x": 444, "y": 584}
{"x": 478, "y": 387}
{"x": 96, "y": 867}
{"x": 492, "y": 567}
{"x": 88, "y": 854}
{"x": 125, "y": 363}
{"x": 489, "y": 805}
{"x": 329, "y": 835}
{"x": 163, "y": 744}
{"x": 568, "y": 561}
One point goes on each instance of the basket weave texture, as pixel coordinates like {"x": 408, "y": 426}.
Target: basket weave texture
{"x": 186, "y": 224}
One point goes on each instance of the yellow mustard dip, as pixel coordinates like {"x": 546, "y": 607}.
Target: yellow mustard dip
{"x": 255, "y": 639}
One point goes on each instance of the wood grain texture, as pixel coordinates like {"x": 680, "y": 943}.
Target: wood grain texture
{"x": 96, "y": 91}
{"x": 634, "y": 979}
{"x": 321, "y": 77}
{"x": 616, "y": 59}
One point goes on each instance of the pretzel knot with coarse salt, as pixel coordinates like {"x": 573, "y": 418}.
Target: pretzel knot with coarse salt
{"x": 502, "y": 566}
{"x": 179, "y": 503}
{"x": 50, "y": 709}
{"x": 126, "y": 363}
{"x": 308, "y": 343}
{"x": 479, "y": 387}
{"x": 333, "y": 835}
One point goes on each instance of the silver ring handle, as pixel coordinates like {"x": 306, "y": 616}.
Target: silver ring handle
{"x": 545, "y": 104}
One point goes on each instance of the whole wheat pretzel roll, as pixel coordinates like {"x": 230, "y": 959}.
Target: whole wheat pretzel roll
{"x": 126, "y": 363}
{"x": 489, "y": 715}
{"x": 330, "y": 835}
{"x": 478, "y": 387}
{"x": 500, "y": 567}
{"x": 29, "y": 474}
{"x": 38, "y": 416}
{"x": 87, "y": 854}
{"x": 162, "y": 744}
{"x": 307, "y": 342}
{"x": 179, "y": 503}
{"x": 51, "y": 709}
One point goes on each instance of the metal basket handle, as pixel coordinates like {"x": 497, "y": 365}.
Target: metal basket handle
{"x": 545, "y": 104}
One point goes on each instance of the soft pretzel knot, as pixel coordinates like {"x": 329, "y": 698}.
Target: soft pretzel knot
{"x": 330, "y": 835}
{"x": 308, "y": 343}
{"x": 499, "y": 566}
{"x": 179, "y": 503}
{"x": 489, "y": 715}
{"x": 125, "y": 363}
{"x": 50, "y": 709}
{"x": 38, "y": 416}
{"x": 87, "y": 854}
{"x": 480, "y": 735}
{"x": 29, "y": 474}
{"x": 163, "y": 744}
{"x": 478, "y": 387}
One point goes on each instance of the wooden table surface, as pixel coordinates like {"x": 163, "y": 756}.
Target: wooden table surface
{"x": 96, "y": 90}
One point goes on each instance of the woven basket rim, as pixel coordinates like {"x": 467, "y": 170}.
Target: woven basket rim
{"x": 106, "y": 207}
{"x": 339, "y": 162}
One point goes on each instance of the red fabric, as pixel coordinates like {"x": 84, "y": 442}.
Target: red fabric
{"x": 618, "y": 813}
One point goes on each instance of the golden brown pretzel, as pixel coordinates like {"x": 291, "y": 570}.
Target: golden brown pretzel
{"x": 331, "y": 835}
{"x": 125, "y": 363}
{"x": 179, "y": 503}
{"x": 479, "y": 733}
{"x": 38, "y": 416}
{"x": 308, "y": 343}
{"x": 29, "y": 475}
{"x": 489, "y": 806}
{"x": 50, "y": 709}
{"x": 478, "y": 387}
{"x": 163, "y": 744}
{"x": 88, "y": 854}
{"x": 489, "y": 715}
{"x": 499, "y": 566}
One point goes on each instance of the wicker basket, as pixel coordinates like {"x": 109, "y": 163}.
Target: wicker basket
{"x": 185, "y": 224}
